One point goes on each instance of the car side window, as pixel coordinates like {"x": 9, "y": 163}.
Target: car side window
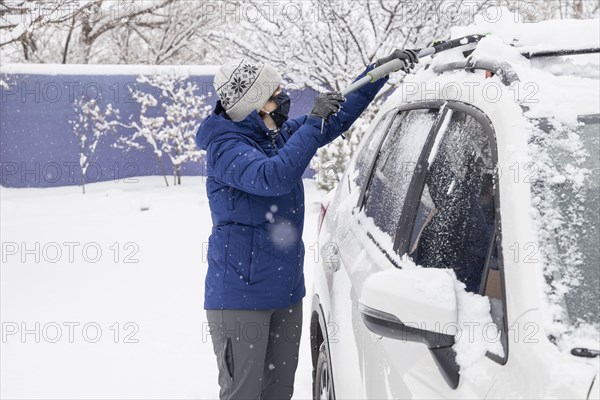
{"x": 455, "y": 218}
{"x": 395, "y": 166}
{"x": 367, "y": 153}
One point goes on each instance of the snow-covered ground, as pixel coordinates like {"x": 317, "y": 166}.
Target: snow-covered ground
{"x": 115, "y": 280}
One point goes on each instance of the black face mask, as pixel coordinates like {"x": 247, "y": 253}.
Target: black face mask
{"x": 281, "y": 113}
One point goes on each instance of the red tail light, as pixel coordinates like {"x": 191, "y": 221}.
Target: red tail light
{"x": 324, "y": 207}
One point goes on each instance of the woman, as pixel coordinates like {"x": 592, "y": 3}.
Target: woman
{"x": 255, "y": 161}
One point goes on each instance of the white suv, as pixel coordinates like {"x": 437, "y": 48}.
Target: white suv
{"x": 460, "y": 250}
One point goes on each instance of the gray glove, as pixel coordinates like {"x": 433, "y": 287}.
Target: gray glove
{"x": 409, "y": 57}
{"x": 327, "y": 104}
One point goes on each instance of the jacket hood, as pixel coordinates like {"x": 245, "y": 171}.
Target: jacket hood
{"x": 217, "y": 123}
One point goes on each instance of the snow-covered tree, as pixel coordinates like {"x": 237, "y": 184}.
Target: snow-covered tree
{"x": 105, "y": 31}
{"x": 540, "y": 10}
{"x": 92, "y": 123}
{"x": 339, "y": 39}
{"x": 168, "y": 122}
{"x": 22, "y": 21}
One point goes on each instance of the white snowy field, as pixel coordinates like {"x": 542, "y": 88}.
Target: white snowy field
{"x": 100, "y": 299}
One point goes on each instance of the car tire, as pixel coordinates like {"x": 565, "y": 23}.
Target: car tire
{"x": 323, "y": 387}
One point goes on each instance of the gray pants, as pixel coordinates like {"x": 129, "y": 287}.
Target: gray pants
{"x": 257, "y": 351}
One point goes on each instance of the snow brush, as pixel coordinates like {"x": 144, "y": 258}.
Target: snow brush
{"x": 397, "y": 64}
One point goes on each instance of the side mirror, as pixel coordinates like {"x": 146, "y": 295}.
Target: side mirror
{"x": 415, "y": 305}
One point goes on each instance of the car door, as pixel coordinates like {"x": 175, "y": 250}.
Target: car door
{"x": 331, "y": 278}
{"x": 448, "y": 220}
{"x": 391, "y": 217}
{"x": 358, "y": 254}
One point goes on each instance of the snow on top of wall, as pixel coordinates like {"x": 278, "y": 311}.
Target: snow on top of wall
{"x": 107, "y": 69}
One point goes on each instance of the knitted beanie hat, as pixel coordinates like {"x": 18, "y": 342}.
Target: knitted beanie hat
{"x": 244, "y": 86}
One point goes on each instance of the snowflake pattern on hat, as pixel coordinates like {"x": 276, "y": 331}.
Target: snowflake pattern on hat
{"x": 241, "y": 80}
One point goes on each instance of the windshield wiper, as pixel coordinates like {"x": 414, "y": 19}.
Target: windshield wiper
{"x": 583, "y": 352}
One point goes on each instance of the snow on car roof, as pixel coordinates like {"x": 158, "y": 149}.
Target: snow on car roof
{"x": 535, "y": 36}
{"x": 561, "y": 88}
{"x": 552, "y": 87}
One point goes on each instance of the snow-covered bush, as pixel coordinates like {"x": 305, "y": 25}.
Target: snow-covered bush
{"x": 168, "y": 122}
{"x": 92, "y": 123}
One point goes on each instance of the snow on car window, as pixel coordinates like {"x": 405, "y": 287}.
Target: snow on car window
{"x": 367, "y": 152}
{"x": 395, "y": 167}
{"x": 455, "y": 217}
{"x": 566, "y": 197}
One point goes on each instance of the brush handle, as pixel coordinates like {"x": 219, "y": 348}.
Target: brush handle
{"x": 397, "y": 64}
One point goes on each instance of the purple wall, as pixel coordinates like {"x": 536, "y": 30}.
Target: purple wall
{"x": 39, "y": 149}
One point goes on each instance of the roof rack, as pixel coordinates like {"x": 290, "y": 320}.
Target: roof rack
{"x": 558, "y": 53}
{"x": 504, "y": 70}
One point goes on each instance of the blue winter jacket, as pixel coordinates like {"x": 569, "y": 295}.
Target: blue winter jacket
{"x": 256, "y": 197}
